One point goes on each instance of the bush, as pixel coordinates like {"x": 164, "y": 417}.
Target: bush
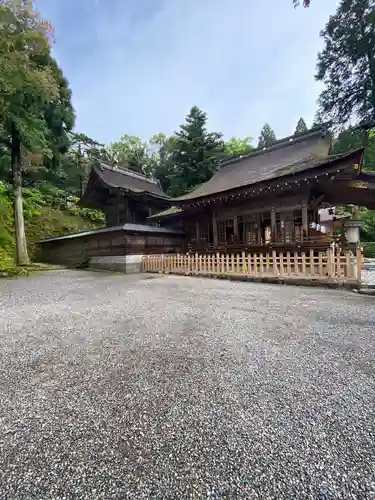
{"x": 83, "y": 262}
{"x": 45, "y": 216}
{"x": 368, "y": 249}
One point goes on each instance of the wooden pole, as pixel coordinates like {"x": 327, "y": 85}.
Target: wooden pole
{"x": 359, "y": 264}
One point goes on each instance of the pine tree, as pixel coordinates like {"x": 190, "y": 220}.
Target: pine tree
{"x": 347, "y": 64}
{"x": 195, "y": 153}
{"x": 267, "y": 136}
{"x": 301, "y": 127}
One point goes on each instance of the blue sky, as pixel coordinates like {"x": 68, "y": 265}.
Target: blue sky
{"x": 137, "y": 66}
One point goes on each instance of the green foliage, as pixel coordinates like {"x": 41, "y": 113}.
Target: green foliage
{"x": 44, "y": 217}
{"x": 131, "y": 152}
{"x": 369, "y": 249}
{"x": 161, "y": 162}
{"x": 195, "y": 153}
{"x": 301, "y": 127}
{"x": 236, "y": 146}
{"x": 346, "y": 65}
{"x": 27, "y": 84}
{"x": 368, "y": 225}
{"x": 353, "y": 138}
{"x": 83, "y": 262}
{"x": 267, "y": 136}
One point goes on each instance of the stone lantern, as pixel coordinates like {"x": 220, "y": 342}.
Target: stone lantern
{"x": 352, "y": 227}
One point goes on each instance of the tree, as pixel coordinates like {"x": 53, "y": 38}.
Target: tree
{"x": 235, "y": 146}
{"x": 27, "y": 88}
{"x": 131, "y": 152}
{"x": 77, "y": 161}
{"x": 354, "y": 138}
{"x": 301, "y": 127}
{"x": 305, "y": 3}
{"x": 195, "y": 153}
{"x": 59, "y": 114}
{"x": 161, "y": 162}
{"x": 346, "y": 65}
{"x": 267, "y": 136}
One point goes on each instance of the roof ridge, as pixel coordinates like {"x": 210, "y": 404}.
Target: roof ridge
{"x": 127, "y": 171}
{"x": 279, "y": 144}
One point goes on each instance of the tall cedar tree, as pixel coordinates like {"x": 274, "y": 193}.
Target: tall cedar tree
{"x": 28, "y": 86}
{"x": 301, "y": 127}
{"x": 195, "y": 154}
{"x": 347, "y": 64}
{"x": 267, "y": 136}
{"x": 35, "y": 109}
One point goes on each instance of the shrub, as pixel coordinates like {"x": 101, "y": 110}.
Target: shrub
{"x": 83, "y": 262}
{"x": 47, "y": 213}
{"x": 368, "y": 249}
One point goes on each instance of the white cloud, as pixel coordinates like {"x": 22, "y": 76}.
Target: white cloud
{"x": 243, "y": 61}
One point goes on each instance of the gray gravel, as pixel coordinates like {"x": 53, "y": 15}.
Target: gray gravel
{"x": 368, "y": 277}
{"x": 117, "y": 387}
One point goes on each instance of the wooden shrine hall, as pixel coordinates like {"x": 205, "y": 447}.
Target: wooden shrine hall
{"x": 259, "y": 215}
{"x": 271, "y": 198}
{"x": 123, "y": 195}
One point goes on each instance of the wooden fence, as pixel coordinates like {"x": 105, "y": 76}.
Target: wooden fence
{"x": 328, "y": 264}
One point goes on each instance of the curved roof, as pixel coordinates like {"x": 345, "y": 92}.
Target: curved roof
{"x": 285, "y": 157}
{"x": 123, "y": 178}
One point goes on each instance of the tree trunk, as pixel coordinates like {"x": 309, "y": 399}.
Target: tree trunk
{"x": 22, "y": 257}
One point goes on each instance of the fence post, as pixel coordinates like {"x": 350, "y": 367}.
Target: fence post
{"x": 261, "y": 263}
{"x": 329, "y": 262}
{"x": 274, "y": 262}
{"x": 312, "y": 263}
{"x": 359, "y": 264}
{"x": 296, "y": 269}
{"x": 288, "y": 264}
{"x": 268, "y": 265}
{"x": 303, "y": 257}
{"x": 320, "y": 264}
{"x": 281, "y": 258}
{"x": 243, "y": 263}
{"x": 348, "y": 264}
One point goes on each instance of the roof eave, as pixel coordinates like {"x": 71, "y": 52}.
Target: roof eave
{"x": 330, "y": 164}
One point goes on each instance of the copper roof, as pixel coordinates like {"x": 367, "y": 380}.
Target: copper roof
{"x": 288, "y": 156}
{"x": 123, "y": 178}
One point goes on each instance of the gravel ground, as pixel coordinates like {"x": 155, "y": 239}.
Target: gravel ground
{"x": 120, "y": 387}
{"x": 368, "y": 277}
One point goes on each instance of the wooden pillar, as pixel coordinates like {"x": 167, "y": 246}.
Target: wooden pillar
{"x": 305, "y": 221}
{"x": 197, "y": 232}
{"x": 235, "y": 229}
{"x": 214, "y": 229}
{"x": 273, "y": 224}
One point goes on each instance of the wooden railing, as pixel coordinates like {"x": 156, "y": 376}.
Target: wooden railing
{"x": 315, "y": 242}
{"x": 328, "y": 264}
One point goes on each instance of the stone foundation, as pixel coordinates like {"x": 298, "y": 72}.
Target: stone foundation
{"x": 127, "y": 264}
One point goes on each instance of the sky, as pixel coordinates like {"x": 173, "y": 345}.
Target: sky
{"x": 137, "y": 66}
